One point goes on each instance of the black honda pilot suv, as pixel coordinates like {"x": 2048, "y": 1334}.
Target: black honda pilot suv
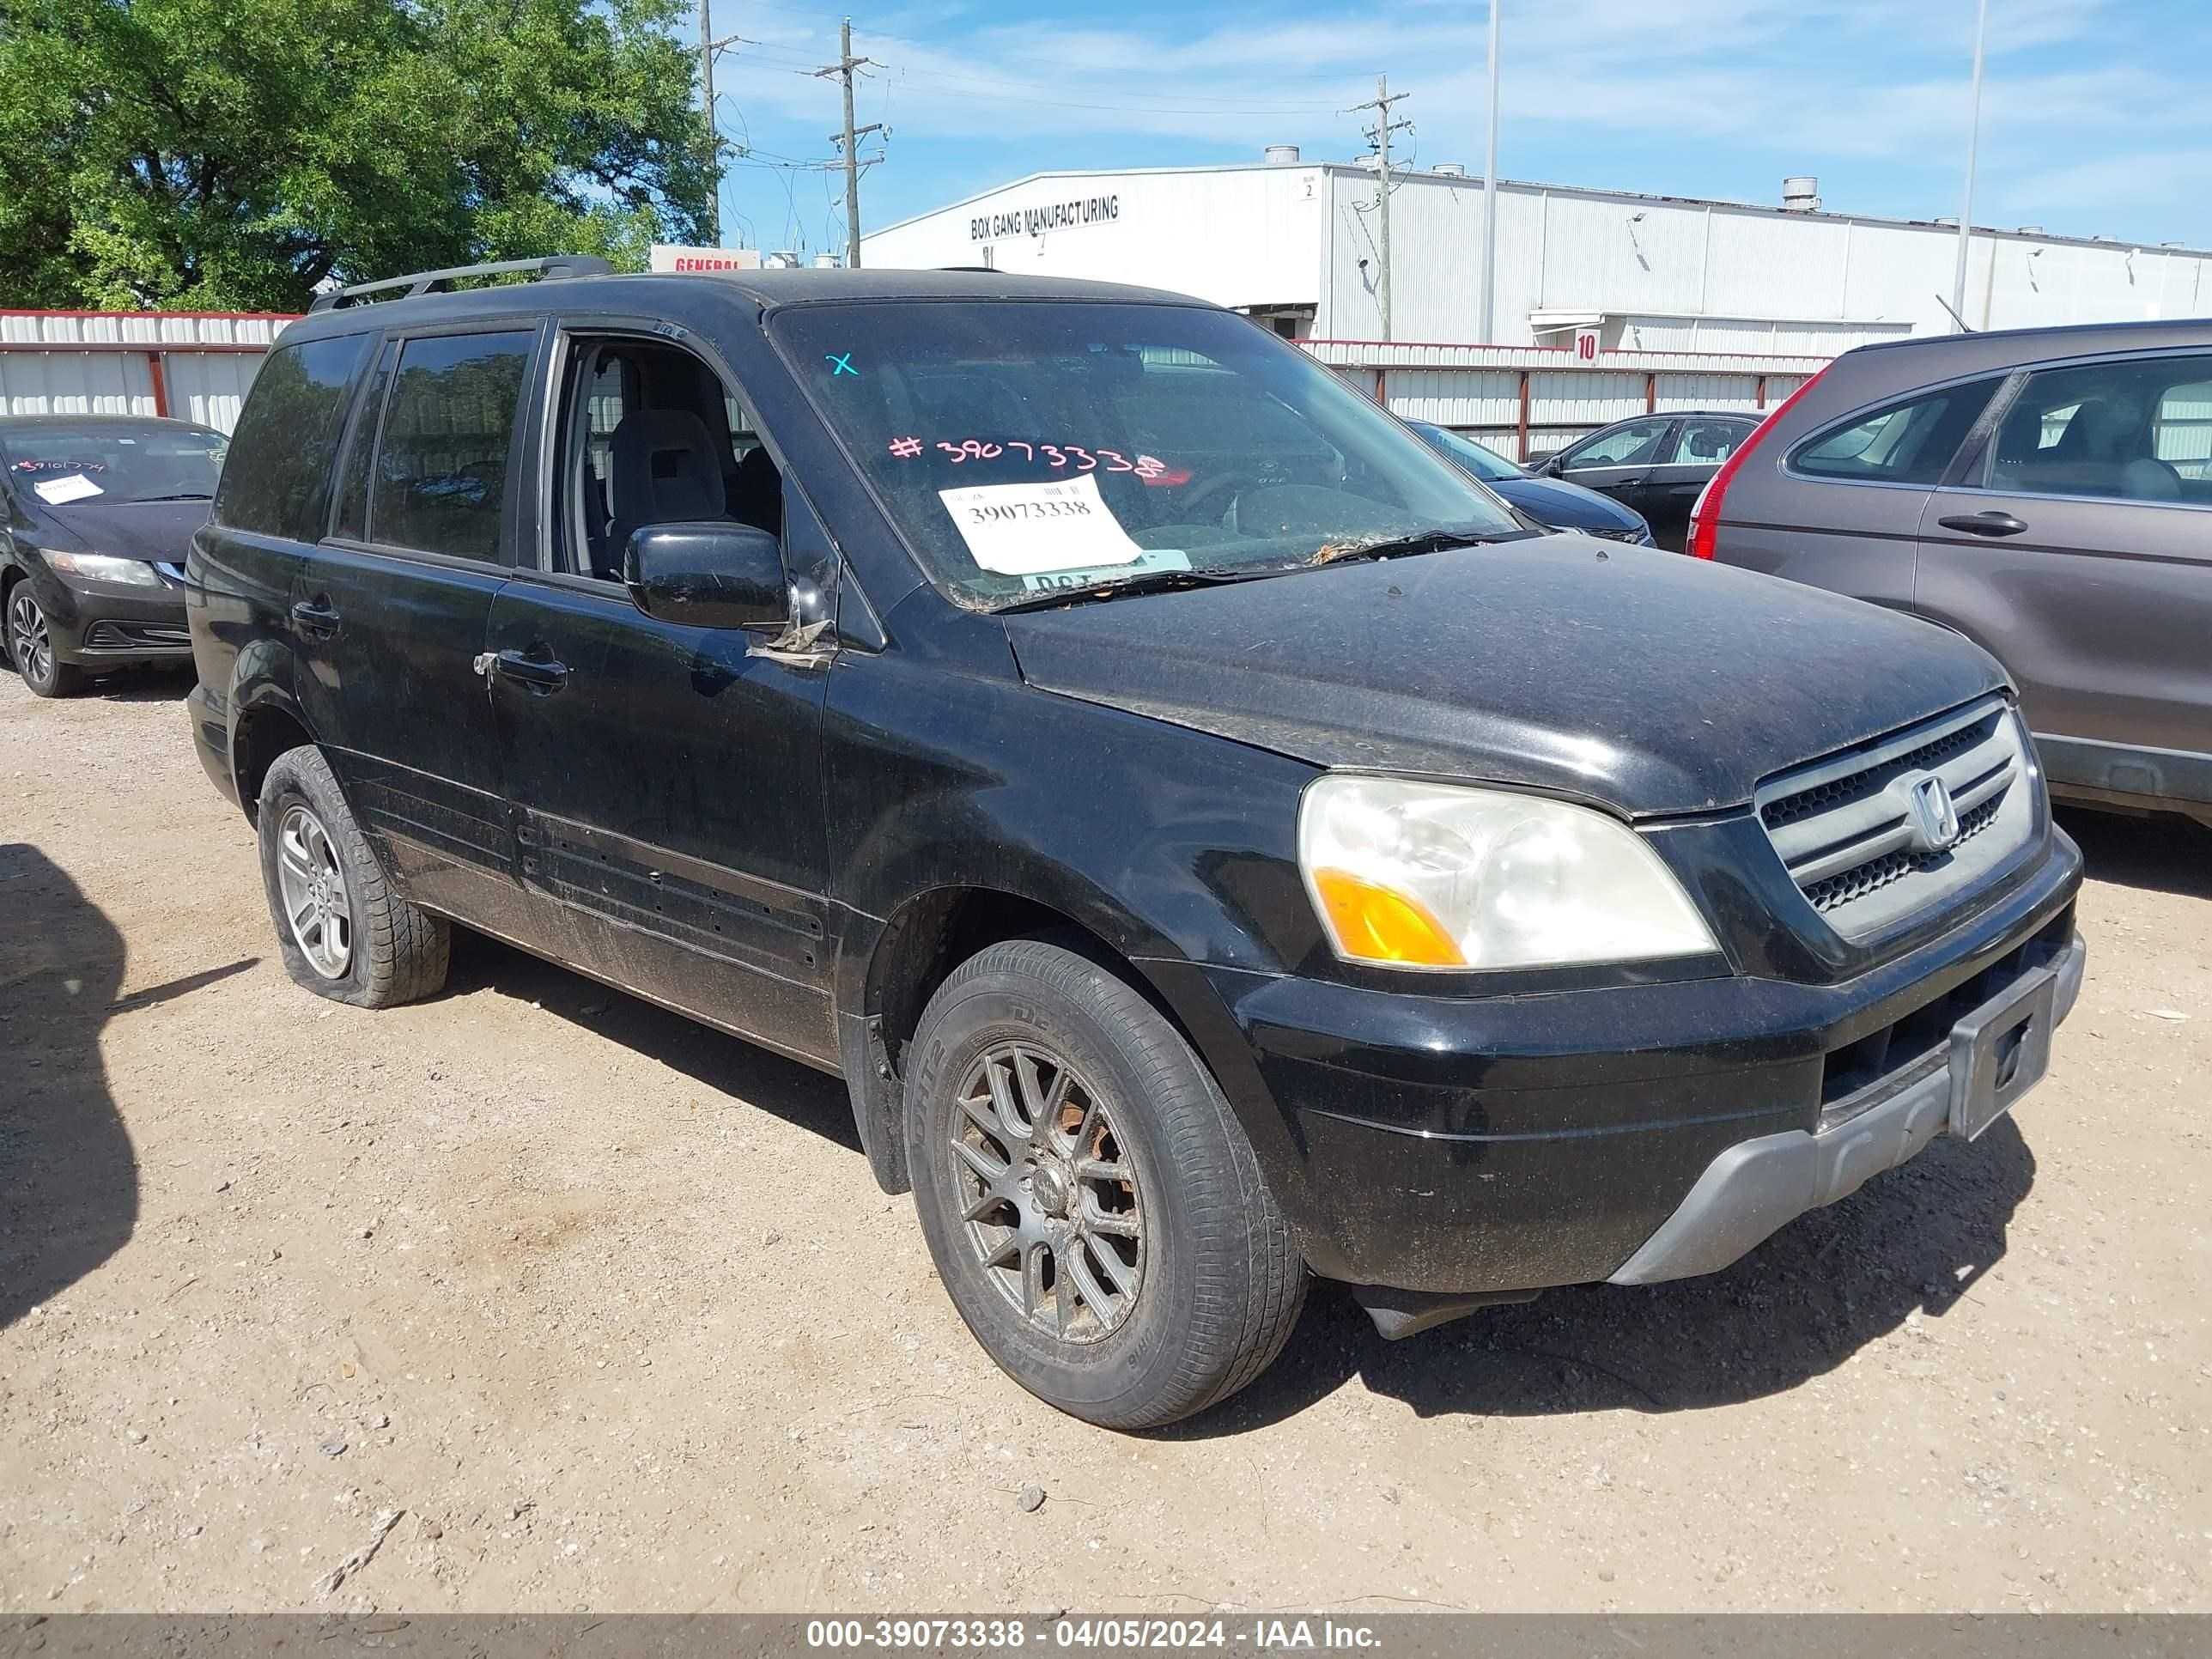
{"x": 1213, "y": 837}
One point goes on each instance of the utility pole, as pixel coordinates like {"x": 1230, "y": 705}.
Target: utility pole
{"x": 1380, "y": 136}
{"x": 1490, "y": 198}
{"x": 850, "y": 138}
{"x": 1973, "y": 140}
{"x": 707, "y": 47}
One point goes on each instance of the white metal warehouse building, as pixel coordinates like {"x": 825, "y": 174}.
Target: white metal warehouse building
{"x": 193, "y": 365}
{"x": 1296, "y": 243}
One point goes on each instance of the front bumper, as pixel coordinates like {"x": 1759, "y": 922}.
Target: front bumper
{"x": 109, "y": 625}
{"x": 1479, "y": 1146}
{"x": 1757, "y": 1187}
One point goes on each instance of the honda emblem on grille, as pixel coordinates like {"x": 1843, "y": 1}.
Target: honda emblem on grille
{"x": 1934, "y": 821}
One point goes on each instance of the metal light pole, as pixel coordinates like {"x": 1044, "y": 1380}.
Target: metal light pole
{"x": 1973, "y": 139}
{"x": 1490, "y": 198}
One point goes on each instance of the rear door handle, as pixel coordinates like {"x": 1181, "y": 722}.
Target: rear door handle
{"x": 316, "y": 617}
{"x": 1992, "y": 523}
{"x": 541, "y": 676}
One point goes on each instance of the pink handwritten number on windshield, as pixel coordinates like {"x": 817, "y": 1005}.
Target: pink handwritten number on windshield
{"x": 1057, "y": 456}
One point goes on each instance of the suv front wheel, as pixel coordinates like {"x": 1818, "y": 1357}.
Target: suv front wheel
{"x": 1092, "y": 1204}
{"x": 342, "y": 932}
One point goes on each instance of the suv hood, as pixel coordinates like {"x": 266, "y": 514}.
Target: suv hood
{"x": 1643, "y": 681}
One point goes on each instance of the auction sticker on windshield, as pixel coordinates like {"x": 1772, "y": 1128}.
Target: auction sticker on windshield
{"x": 1027, "y": 529}
{"x": 73, "y": 487}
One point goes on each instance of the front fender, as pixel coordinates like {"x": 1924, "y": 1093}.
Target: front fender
{"x": 1168, "y": 846}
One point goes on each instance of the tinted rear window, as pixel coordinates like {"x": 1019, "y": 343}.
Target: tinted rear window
{"x": 440, "y": 474}
{"x": 287, "y": 436}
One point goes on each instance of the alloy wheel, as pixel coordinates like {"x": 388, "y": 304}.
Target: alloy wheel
{"x": 312, "y": 882}
{"x": 34, "y": 645}
{"x": 1052, "y": 1204}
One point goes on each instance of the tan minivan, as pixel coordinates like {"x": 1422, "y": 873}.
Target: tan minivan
{"x": 2047, "y": 493}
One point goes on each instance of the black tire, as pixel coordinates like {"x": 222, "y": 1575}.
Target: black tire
{"x": 58, "y": 678}
{"x": 395, "y": 952}
{"x": 1219, "y": 1281}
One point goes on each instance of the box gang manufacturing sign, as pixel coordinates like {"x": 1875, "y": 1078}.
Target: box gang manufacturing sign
{"x": 1051, "y": 215}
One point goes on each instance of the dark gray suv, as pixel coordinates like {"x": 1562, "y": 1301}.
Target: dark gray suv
{"x": 2047, "y": 493}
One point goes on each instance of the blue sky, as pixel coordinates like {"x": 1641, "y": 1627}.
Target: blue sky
{"x": 2095, "y": 119}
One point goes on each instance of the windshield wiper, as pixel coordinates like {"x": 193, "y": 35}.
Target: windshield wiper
{"x": 181, "y": 495}
{"x": 1422, "y": 541}
{"x": 1153, "y": 582}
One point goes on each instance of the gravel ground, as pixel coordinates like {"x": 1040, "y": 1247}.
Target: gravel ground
{"x": 607, "y": 1308}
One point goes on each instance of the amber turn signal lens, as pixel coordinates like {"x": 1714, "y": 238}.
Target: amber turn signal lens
{"x": 1377, "y": 925}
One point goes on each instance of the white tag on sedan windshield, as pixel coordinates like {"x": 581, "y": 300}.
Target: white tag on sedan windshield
{"x": 1028, "y": 529}
{"x": 59, "y": 492}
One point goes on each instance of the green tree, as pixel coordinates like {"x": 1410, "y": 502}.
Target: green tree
{"x": 218, "y": 153}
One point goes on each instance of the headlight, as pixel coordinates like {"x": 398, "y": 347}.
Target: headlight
{"x": 104, "y": 567}
{"x": 1423, "y": 875}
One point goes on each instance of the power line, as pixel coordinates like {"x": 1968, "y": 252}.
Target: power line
{"x": 1135, "y": 103}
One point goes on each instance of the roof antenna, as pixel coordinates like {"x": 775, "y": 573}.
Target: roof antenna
{"x": 1964, "y": 327}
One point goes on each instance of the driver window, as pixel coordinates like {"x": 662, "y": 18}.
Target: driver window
{"x": 650, "y": 435}
{"x": 1631, "y": 446}
{"x": 1705, "y": 443}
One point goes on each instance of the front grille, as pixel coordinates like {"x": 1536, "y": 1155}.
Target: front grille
{"x": 1845, "y": 830}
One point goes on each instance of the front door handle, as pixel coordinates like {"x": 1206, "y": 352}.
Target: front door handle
{"x": 1992, "y": 523}
{"x": 541, "y": 674}
{"x": 317, "y": 617}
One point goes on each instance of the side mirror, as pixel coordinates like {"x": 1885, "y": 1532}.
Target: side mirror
{"x": 714, "y": 574}
{"x": 1545, "y": 463}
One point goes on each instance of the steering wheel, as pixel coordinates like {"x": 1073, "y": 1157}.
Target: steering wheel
{"x": 1191, "y": 507}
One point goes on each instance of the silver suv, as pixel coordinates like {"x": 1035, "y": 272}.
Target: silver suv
{"x": 2047, "y": 493}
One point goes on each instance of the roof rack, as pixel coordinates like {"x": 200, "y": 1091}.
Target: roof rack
{"x": 430, "y": 282}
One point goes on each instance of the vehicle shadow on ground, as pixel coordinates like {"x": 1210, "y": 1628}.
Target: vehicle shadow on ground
{"x": 1912, "y": 1241}
{"x": 164, "y": 684}
{"x": 797, "y": 1094}
{"x": 68, "y": 1179}
{"x": 2162, "y": 855}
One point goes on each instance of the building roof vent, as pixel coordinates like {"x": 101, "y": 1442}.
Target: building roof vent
{"x": 2032, "y": 230}
{"x": 1280, "y": 155}
{"x": 1449, "y": 170}
{"x": 1801, "y": 194}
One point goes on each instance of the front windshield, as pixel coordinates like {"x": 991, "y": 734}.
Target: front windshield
{"x": 1029, "y": 448}
{"x": 1485, "y": 464}
{"x": 99, "y": 461}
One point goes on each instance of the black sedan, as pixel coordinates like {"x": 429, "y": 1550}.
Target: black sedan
{"x": 1552, "y": 501}
{"x": 1655, "y": 464}
{"x": 96, "y": 513}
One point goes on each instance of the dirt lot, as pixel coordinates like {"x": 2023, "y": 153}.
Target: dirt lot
{"x": 608, "y": 1306}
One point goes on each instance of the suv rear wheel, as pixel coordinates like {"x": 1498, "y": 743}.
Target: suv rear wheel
{"x": 342, "y": 932}
{"x": 1092, "y": 1204}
